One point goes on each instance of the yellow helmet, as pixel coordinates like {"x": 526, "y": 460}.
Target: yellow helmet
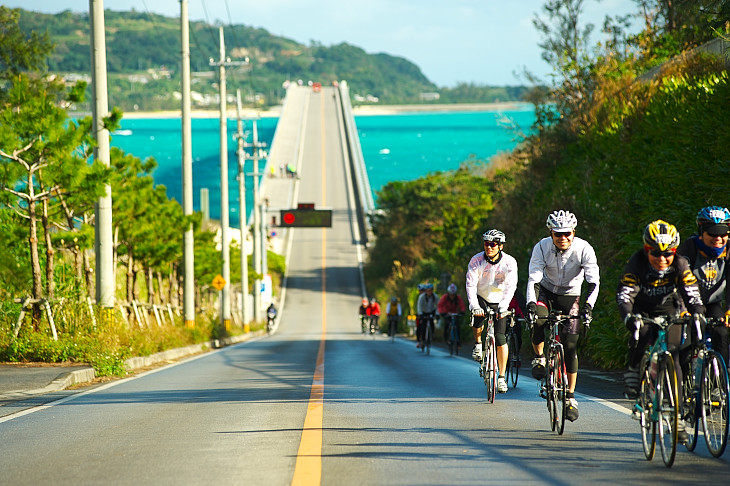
{"x": 661, "y": 235}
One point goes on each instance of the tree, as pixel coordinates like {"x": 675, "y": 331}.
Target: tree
{"x": 20, "y": 52}
{"x": 40, "y": 162}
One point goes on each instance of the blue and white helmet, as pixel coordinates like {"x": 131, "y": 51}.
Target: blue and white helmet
{"x": 713, "y": 219}
{"x": 561, "y": 221}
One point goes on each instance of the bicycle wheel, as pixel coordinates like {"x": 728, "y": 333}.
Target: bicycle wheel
{"x": 427, "y": 340}
{"x": 714, "y": 403}
{"x": 456, "y": 337}
{"x": 513, "y": 362}
{"x": 549, "y": 391}
{"x": 392, "y": 330}
{"x": 667, "y": 409}
{"x": 644, "y": 407}
{"x": 560, "y": 387}
{"x": 489, "y": 366}
{"x": 689, "y": 415}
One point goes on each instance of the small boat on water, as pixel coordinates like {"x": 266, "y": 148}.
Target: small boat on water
{"x": 384, "y": 151}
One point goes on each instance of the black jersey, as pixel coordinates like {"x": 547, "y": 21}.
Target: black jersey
{"x": 642, "y": 289}
{"x": 711, "y": 273}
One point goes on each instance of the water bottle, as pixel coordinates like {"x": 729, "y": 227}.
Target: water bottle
{"x": 653, "y": 366}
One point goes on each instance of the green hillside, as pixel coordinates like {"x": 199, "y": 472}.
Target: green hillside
{"x": 623, "y": 140}
{"x": 143, "y": 57}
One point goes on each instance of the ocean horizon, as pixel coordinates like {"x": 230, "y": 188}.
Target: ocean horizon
{"x": 399, "y": 146}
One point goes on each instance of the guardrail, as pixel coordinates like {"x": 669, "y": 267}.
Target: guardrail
{"x": 365, "y": 204}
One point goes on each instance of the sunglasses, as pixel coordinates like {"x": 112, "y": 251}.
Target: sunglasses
{"x": 562, "y": 234}
{"x": 491, "y": 244}
{"x": 723, "y": 235}
{"x": 665, "y": 254}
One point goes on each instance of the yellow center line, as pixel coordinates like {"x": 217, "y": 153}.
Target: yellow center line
{"x": 308, "y": 468}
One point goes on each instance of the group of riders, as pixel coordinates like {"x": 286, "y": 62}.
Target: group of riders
{"x": 662, "y": 278}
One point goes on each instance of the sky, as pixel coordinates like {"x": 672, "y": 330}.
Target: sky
{"x": 485, "y": 42}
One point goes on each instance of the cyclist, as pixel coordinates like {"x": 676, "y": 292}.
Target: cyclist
{"x": 656, "y": 283}
{"x": 426, "y": 307}
{"x": 491, "y": 281}
{"x": 374, "y": 309}
{"x": 393, "y": 311}
{"x": 707, "y": 254}
{"x": 363, "y": 312}
{"x": 451, "y": 303}
{"x": 559, "y": 264}
{"x": 421, "y": 289}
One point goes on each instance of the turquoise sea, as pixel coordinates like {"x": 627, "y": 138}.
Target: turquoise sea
{"x": 395, "y": 147}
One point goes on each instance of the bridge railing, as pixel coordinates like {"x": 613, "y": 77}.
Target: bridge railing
{"x": 365, "y": 204}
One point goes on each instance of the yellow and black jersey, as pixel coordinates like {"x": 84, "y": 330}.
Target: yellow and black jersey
{"x": 642, "y": 289}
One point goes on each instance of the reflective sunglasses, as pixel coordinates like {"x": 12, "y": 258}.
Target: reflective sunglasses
{"x": 491, "y": 244}
{"x": 562, "y": 234}
{"x": 665, "y": 254}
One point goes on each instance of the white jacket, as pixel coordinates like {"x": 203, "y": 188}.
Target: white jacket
{"x": 494, "y": 282}
{"x": 563, "y": 272}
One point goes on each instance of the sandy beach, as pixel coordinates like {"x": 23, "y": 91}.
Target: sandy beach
{"x": 360, "y": 110}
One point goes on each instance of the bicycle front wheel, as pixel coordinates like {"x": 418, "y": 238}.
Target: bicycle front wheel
{"x": 667, "y": 412}
{"x": 513, "y": 361}
{"x": 489, "y": 364}
{"x": 714, "y": 403}
{"x": 560, "y": 387}
{"x": 644, "y": 407}
{"x": 427, "y": 340}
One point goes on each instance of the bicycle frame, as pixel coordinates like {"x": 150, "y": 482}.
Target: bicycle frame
{"x": 657, "y": 402}
{"x": 554, "y": 386}
{"x": 706, "y": 392}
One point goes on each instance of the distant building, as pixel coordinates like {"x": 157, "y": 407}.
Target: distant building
{"x": 429, "y": 96}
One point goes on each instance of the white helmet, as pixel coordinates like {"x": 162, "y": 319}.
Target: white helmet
{"x": 494, "y": 235}
{"x": 561, "y": 221}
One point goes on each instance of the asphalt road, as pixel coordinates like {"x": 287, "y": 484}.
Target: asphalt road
{"x": 319, "y": 402}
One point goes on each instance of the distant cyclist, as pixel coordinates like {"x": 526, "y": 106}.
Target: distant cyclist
{"x": 707, "y": 253}
{"x": 393, "y": 311}
{"x": 491, "y": 281}
{"x": 363, "y": 313}
{"x": 451, "y": 303}
{"x": 559, "y": 264}
{"x": 426, "y": 308}
{"x": 656, "y": 283}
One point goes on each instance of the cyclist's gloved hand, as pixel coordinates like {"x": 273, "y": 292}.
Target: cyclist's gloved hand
{"x": 532, "y": 312}
{"x": 633, "y": 324}
{"x": 477, "y": 312}
{"x": 587, "y": 314}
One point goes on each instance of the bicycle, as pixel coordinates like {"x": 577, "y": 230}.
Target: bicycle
{"x": 488, "y": 367}
{"x": 453, "y": 333}
{"x": 270, "y": 321}
{"x": 657, "y": 402}
{"x": 364, "y": 323}
{"x": 427, "y": 321}
{"x": 392, "y": 327}
{"x": 374, "y": 323}
{"x": 514, "y": 362}
{"x": 706, "y": 393}
{"x": 554, "y": 385}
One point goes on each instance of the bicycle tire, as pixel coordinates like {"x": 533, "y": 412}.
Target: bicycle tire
{"x": 392, "y": 329}
{"x": 560, "y": 388}
{"x": 550, "y": 396}
{"x": 513, "y": 360}
{"x": 490, "y": 374}
{"x": 667, "y": 412}
{"x": 714, "y": 395}
{"x": 427, "y": 339}
{"x": 644, "y": 406}
{"x": 690, "y": 415}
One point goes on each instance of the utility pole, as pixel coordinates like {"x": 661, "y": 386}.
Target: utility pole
{"x": 225, "y": 249}
{"x": 103, "y": 244}
{"x": 187, "y": 173}
{"x": 259, "y": 229}
{"x": 242, "y": 213}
